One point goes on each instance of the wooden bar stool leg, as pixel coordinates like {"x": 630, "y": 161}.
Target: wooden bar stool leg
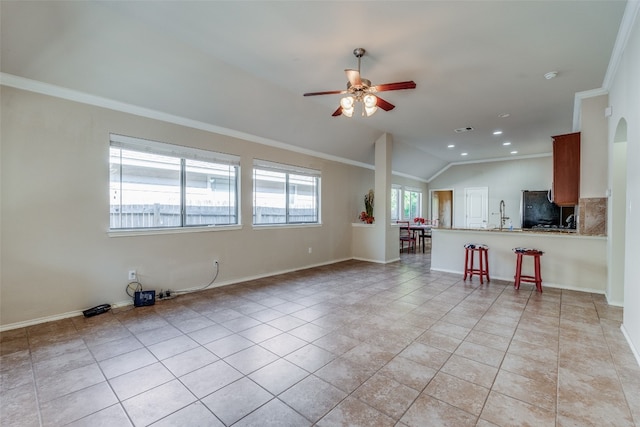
{"x": 518, "y": 270}
{"x": 481, "y": 266}
{"x": 466, "y": 263}
{"x": 472, "y": 261}
{"x": 486, "y": 261}
{"x": 538, "y": 275}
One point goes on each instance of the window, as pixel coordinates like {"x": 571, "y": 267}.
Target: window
{"x": 406, "y": 203}
{"x": 396, "y": 193}
{"x": 158, "y": 185}
{"x": 284, "y": 194}
{"x": 412, "y": 206}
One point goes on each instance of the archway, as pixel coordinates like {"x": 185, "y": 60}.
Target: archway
{"x": 617, "y": 216}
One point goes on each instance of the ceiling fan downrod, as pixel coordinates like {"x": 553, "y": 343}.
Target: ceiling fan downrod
{"x": 359, "y": 53}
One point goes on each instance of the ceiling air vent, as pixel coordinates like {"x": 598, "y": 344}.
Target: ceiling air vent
{"x": 461, "y": 130}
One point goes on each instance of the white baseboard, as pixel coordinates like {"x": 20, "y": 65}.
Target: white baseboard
{"x": 39, "y": 320}
{"x": 75, "y": 313}
{"x": 634, "y": 350}
{"x": 544, "y": 284}
{"x": 377, "y": 261}
{"x": 615, "y": 303}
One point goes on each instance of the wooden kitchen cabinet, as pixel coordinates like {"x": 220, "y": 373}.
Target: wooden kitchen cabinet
{"x": 566, "y": 169}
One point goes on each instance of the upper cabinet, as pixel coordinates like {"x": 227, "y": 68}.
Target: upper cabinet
{"x": 566, "y": 169}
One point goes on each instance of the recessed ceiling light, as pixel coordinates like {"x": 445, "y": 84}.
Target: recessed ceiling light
{"x": 514, "y": 152}
{"x": 503, "y": 115}
{"x": 506, "y": 143}
{"x": 463, "y": 154}
{"x": 497, "y": 132}
{"x": 450, "y": 145}
{"x": 551, "y": 75}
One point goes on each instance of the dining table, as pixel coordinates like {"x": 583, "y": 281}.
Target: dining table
{"x": 424, "y": 230}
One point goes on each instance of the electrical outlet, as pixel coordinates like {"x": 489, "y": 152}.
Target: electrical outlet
{"x": 132, "y": 275}
{"x": 309, "y": 250}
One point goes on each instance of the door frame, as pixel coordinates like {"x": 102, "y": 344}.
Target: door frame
{"x": 440, "y": 190}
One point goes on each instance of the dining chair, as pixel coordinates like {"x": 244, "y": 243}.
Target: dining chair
{"x": 407, "y": 235}
{"x": 426, "y": 234}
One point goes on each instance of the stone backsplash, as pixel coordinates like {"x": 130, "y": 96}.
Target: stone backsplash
{"x": 592, "y": 216}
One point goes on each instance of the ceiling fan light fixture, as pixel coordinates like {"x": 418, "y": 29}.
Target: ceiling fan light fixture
{"x": 347, "y": 102}
{"x": 370, "y": 104}
{"x": 370, "y": 110}
{"x": 370, "y": 100}
{"x": 360, "y": 90}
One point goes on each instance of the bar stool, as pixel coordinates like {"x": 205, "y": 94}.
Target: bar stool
{"x": 469, "y": 261}
{"x": 519, "y": 277}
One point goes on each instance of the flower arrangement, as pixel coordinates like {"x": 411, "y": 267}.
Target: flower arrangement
{"x": 366, "y": 218}
{"x": 367, "y": 214}
{"x": 418, "y": 220}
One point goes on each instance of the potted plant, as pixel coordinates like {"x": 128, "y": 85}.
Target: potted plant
{"x": 367, "y": 214}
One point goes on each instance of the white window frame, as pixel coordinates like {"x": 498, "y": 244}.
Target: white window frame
{"x": 410, "y": 190}
{"x": 185, "y": 156}
{"x": 289, "y": 197}
{"x": 401, "y": 191}
{"x": 397, "y": 215}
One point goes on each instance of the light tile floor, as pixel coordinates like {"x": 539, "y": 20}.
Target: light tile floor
{"x": 349, "y": 344}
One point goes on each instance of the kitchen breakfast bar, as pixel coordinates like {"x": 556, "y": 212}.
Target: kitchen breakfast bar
{"x": 570, "y": 261}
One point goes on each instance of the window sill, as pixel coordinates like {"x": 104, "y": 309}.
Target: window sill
{"x": 280, "y": 226}
{"x": 171, "y": 230}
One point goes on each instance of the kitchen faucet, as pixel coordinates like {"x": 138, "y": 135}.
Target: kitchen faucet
{"x": 502, "y": 212}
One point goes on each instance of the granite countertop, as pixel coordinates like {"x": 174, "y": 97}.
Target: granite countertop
{"x": 541, "y": 231}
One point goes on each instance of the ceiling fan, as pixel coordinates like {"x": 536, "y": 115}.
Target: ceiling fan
{"x": 361, "y": 90}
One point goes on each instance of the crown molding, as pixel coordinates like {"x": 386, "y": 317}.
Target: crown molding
{"x": 35, "y": 86}
{"x": 495, "y": 159}
{"x": 624, "y": 32}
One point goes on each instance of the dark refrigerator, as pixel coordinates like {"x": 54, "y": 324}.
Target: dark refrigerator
{"x": 539, "y": 212}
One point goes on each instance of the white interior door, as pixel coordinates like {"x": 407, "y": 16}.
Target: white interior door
{"x": 476, "y": 207}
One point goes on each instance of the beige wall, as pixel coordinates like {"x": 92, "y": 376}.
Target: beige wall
{"x": 593, "y": 147}
{"x": 624, "y": 98}
{"x": 57, "y": 254}
{"x": 505, "y": 180}
{"x": 569, "y": 261}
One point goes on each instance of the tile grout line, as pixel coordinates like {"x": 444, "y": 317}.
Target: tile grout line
{"x": 388, "y": 282}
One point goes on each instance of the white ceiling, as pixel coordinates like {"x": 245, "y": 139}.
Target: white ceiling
{"x": 245, "y": 65}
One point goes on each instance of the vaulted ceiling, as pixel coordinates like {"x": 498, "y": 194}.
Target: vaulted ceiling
{"x": 243, "y": 66}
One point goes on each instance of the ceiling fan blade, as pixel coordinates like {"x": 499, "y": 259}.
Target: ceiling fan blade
{"x": 354, "y": 77}
{"x": 396, "y": 86}
{"x": 386, "y": 106}
{"x": 337, "y": 112}
{"x": 328, "y": 92}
